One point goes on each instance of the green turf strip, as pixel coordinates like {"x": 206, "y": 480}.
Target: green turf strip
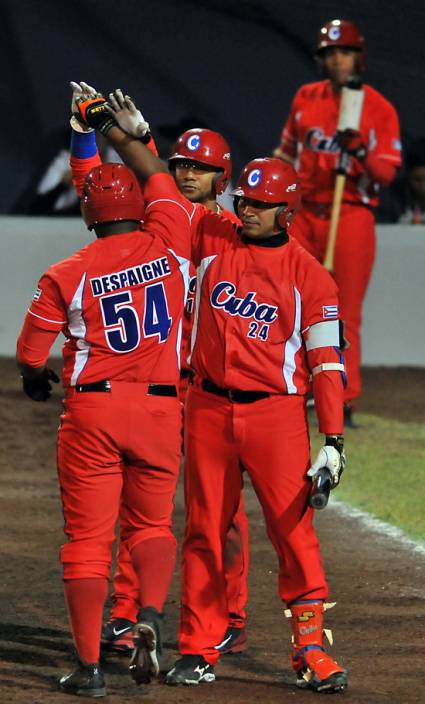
{"x": 385, "y": 473}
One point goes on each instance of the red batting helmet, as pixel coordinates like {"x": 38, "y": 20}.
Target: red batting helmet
{"x": 206, "y": 147}
{"x": 341, "y": 33}
{"x": 269, "y": 180}
{"x": 111, "y": 193}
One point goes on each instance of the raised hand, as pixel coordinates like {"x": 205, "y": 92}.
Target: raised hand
{"x": 127, "y": 115}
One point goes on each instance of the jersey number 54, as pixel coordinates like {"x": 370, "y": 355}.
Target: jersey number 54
{"x": 122, "y": 323}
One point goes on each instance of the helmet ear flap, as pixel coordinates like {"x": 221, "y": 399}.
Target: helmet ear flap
{"x": 281, "y": 216}
{"x": 219, "y": 183}
{"x": 236, "y": 200}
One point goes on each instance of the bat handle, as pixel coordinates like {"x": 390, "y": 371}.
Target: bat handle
{"x": 343, "y": 162}
{"x": 320, "y": 490}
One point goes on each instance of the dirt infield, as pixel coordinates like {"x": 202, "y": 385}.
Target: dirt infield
{"x": 378, "y": 623}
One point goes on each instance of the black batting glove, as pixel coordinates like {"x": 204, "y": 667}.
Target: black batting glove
{"x": 40, "y": 388}
{"x": 95, "y": 113}
{"x": 351, "y": 141}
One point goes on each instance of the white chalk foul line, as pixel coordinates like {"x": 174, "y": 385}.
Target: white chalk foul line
{"x": 378, "y": 526}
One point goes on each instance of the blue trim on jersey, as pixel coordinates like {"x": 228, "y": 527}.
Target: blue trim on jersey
{"x": 83, "y": 144}
{"x": 341, "y": 359}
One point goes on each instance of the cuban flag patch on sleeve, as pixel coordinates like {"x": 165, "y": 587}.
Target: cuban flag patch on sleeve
{"x": 37, "y": 294}
{"x": 330, "y": 311}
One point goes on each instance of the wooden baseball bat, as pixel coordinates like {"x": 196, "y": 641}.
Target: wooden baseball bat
{"x": 352, "y": 97}
{"x": 333, "y": 226}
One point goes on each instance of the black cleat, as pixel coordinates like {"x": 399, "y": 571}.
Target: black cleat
{"x": 144, "y": 663}
{"x": 117, "y": 636}
{"x": 234, "y": 641}
{"x": 190, "y": 669}
{"x": 332, "y": 684}
{"x": 84, "y": 681}
{"x": 317, "y": 670}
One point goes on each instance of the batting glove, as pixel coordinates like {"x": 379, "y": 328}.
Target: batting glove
{"x": 39, "y": 388}
{"x": 80, "y": 91}
{"x": 94, "y": 112}
{"x": 351, "y": 141}
{"x": 331, "y": 456}
{"x": 128, "y": 116}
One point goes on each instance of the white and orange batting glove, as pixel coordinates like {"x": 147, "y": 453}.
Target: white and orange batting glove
{"x": 331, "y": 456}
{"x": 128, "y": 116}
{"x": 80, "y": 91}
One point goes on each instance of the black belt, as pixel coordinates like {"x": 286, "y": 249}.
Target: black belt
{"x": 234, "y": 395}
{"x": 105, "y": 386}
{"x": 185, "y": 373}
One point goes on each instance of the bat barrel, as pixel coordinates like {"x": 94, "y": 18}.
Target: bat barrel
{"x": 320, "y": 490}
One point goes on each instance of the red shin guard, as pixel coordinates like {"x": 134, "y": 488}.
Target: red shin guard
{"x": 314, "y": 667}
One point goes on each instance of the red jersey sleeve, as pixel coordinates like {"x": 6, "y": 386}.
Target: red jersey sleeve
{"x": 288, "y": 140}
{"x": 47, "y": 304}
{"x": 80, "y": 168}
{"x": 169, "y": 215}
{"x": 320, "y": 327}
{"x": 46, "y": 317}
{"x": 211, "y": 233}
{"x": 387, "y": 144}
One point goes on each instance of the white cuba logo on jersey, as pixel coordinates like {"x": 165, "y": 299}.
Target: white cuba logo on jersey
{"x": 292, "y": 187}
{"x": 334, "y": 33}
{"x": 37, "y": 294}
{"x": 222, "y": 296}
{"x": 254, "y": 177}
{"x": 194, "y": 142}
{"x": 318, "y": 141}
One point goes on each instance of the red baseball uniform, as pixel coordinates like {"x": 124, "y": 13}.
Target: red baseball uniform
{"x": 119, "y": 303}
{"x": 309, "y": 138}
{"x": 266, "y": 318}
{"x": 126, "y": 585}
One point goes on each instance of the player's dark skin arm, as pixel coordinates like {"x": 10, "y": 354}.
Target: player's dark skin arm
{"x": 135, "y": 154}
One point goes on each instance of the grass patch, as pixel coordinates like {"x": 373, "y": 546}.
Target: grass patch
{"x": 385, "y": 473}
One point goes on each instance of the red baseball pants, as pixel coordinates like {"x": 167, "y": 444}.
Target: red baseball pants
{"x": 236, "y": 562}
{"x": 269, "y": 438}
{"x": 116, "y": 450}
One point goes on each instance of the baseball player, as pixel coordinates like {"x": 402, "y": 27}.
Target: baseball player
{"x": 119, "y": 303}
{"x": 201, "y": 165}
{"x": 310, "y": 141}
{"x": 266, "y": 319}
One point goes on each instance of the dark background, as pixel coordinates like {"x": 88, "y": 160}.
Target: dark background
{"x": 234, "y": 64}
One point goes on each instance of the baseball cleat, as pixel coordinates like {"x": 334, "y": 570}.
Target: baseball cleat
{"x": 234, "y": 641}
{"x": 117, "y": 636}
{"x": 84, "y": 681}
{"x": 144, "y": 663}
{"x": 190, "y": 669}
{"x": 318, "y": 671}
